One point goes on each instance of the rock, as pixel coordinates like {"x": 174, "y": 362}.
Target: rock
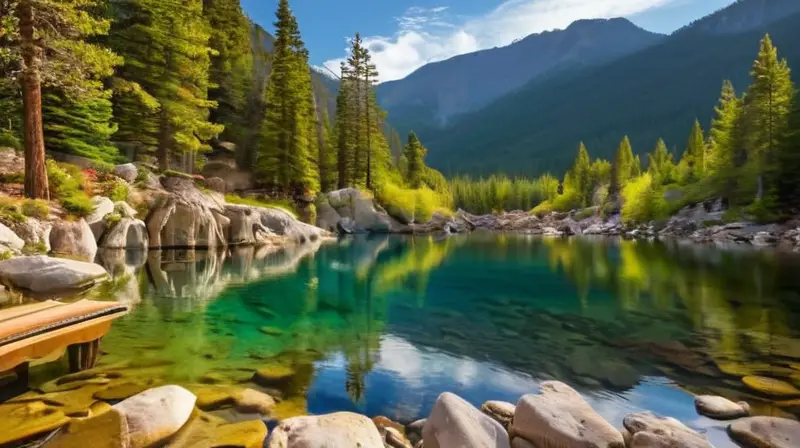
{"x": 127, "y": 172}
{"x": 273, "y": 375}
{"x": 551, "y": 231}
{"x": 395, "y": 439}
{"x": 9, "y": 241}
{"x": 501, "y": 411}
{"x": 106, "y": 430}
{"x": 44, "y": 275}
{"x": 340, "y": 429}
{"x": 327, "y": 217}
{"x": 455, "y": 423}
{"x": 559, "y": 416}
{"x": 257, "y": 225}
{"x": 124, "y": 210}
{"x": 128, "y": 233}
{"x": 216, "y": 184}
{"x": 102, "y": 207}
{"x": 156, "y": 414}
{"x": 361, "y": 208}
{"x": 771, "y": 386}
{"x": 20, "y": 421}
{"x": 247, "y": 434}
{"x": 253, "y": 401}
{"x": 720, "y": 408}
{"x": 347, "y": 226}
{"x": 519, "y": 442}
{"x": 414, "y": 430}
{"x": 185, "y": 217}
{"x": 74, "y": 239}
{"x": 766, "y": 432}
{"x": 120, "y": 391}
{"x": 762, "y": 239}
{"x": 649, "y": 430}
{"x": 33, "y": 232}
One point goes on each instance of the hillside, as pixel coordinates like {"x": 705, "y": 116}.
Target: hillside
{"x": 438, "y": 91}
{"x": 657, "y": 92}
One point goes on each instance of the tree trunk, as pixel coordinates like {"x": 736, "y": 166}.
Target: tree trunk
{"x": 36, "y": 185}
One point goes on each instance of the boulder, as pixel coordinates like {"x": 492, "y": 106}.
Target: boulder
{"x": 414, "y": 430}
{"x": 216, "y": 184}
{"x": 559, "y": 416}
{"x": 720, "y": 408}
{"x": 649, "y": 430}
{"x": 125, "y": 210}
{"x": 185, "y": 217}
{"x": 455, "y": 423}
{"x": 9, "y": 241}
{"x": 327, "y": 217}
{"x": 771, "y": 386}
{"x": 108, "y": 429}
{"x": 74, "y": 239}
{"x": 258, "y": 225}
{"x": 361, "y": 208}
{"x": 501, "y": 411}
{"x": 33, "y": 232}
{"x": 340, "y": 429}
{"x": 45, "y": 275}
{"x": 102, "y": 207}
{"x": 127, "y": 172}
{"x": 766, "y": 432}
{"x": 128, "y": 233}
{"x": 156, "y": 414}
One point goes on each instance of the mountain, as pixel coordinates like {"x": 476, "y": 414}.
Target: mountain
{"x": 657, "y": 92}
{"x": 436, "y": 92}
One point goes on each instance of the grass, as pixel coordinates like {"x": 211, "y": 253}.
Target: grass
{"x": 35, "y": 208}
{"x": 419, "y": 204}
{"x": 284, "y": 204}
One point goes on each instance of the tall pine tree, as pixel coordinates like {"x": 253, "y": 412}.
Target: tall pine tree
{"x": 415, "y": 154}
{"x": 692, "y": 166}
{"x": 788, "y": 180}
{"x": 661, "y": 165}
{"x": 722, "y": 137}
{"x": 623, "y": 168}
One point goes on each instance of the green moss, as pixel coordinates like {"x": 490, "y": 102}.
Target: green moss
{"x": 34, "y": 249}
{"x": 174, "y": 173}
{"x": 35, "y": 208}
{"x": 112, "y": 219}
{"x": 6, "y": 255}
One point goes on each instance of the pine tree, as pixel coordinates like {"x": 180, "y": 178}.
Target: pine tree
{"x": 288, "y": 148}
{"x": 581, "y": 175}
{"x": 788, "y": 180}
{"x": 768, "y": 104}
{"x": 343, "y": 126}
{"x": 623, "y": 167}
{"x": 661, "y": 165}
{"x": 80, "y": 124}
{"x": 722, "y": 135}
{"x": 46, "y": 40}
{"x": 415, "y": 154}
{"x": 231, "y": 76}
{"x": 693, "y": 162}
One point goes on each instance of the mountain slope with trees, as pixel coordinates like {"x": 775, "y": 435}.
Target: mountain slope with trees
{"x": 658, "y": 92}
{"x": 435, "y": 93}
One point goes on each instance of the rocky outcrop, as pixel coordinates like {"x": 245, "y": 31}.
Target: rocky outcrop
{"x": 34, "y": 233}
{"x": 184, "y": 217}
{"x": 361, "y": 208}
{"x": 501, "y": 411}
{"x": 772, "y": 432}
{"x": 156, "y": 414}
{"x": 649, "y": 430}
{"x": 9, "y": 241}
{"x": 46, "y": 275}
{"x": 128, "y": 233}
{"x": 454, "y": 422}
{"x": 74, "y": 239}
{"x": 559, "y": 416}
{"x": 127, "y": 171}
{"x": 340, "y": 429}
{"x": 720, "y": 408}
{"x": 102, "y": 207}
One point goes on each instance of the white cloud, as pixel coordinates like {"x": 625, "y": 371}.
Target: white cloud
{"x": 427, "y": 35}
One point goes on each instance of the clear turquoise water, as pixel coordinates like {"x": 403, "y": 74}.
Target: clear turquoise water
{"x": 382, "y": 325}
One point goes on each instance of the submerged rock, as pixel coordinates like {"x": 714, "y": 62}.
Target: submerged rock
{"x": 45, "y": 275}
{"x": 108, "y": 429}
{"x": 156, "y": 414}
{"x": 455, "y": 423}
{"x": 21, "y": 421}
{"x": 559, "y": 416}
{"x": 771, "y": 386}
{"x": 763, "y": 432}
{"x": 649, "y": 430}
{"x": 720, "y": 408}
{"x": 340, "y": 429}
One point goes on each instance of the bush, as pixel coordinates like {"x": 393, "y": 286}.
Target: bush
{"x": 116, "y": 190}
{"x": 762, "y": 210}
{"x": 419, "y": 204}
{"x": 10, "y": 210}
{"x": 543, "y": 209}
{"x": 64, "y": 181}
{"x": 570, "y": 200}
{"x": 13, "y": 178}
{"x": 642, "y": 201}
{"x": 9, "y": 140}
{"x": 78, "y": 204}
{"x": 112, "y": 219}
{"x": 35, "y": 208}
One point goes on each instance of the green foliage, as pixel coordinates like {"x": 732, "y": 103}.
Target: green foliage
{"x": 692, "y": 165}
{"x": 283, "y": 204}
{"x": 65, "y": 180}
{"x": 9, "y": 140}
{"x": 623, "y": 168}
{"x": 35, "y": 208}
{"x": 39, "y": 248}
{"x": 419, "y": 204}
{"x": 498, "y": 193}
{"x": 543, "y": 209}
{"x": 78, "y": 204}
{"x": 661, "y": 165}
{"x": 586, "y": 213}
{"x": 788, "y": 182}
{"x": 13, "y": 178}
{"x": 569, "y": 200}
{"x": 10, "y": 210}
{"x": 643, "y": 200}
{"x": 116, "y": 190}
{"x": 6, "y": 255}
{"x": 581, "y": 176}
{"x": 80, "y": 125}
{"x": 415, "y": 157}
{"x": 112, "y": 219}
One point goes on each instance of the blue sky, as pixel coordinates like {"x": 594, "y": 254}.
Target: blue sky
{"x": 403, "y": 35}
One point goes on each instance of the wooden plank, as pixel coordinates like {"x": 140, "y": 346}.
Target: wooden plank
{"x": 41, "y": 318}
{"x": 17, "y": 311}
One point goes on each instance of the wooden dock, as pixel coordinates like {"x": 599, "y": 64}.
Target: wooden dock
{"x": 35, "y": 331}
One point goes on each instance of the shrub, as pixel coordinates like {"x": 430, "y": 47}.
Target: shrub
{"x": 543, "y": 209}
{"x": 78, "y": 204}
{"x": 6, "y": 255}
{"x": 762, "y": 210}
{"x": 9, "y": 140}
{"x": 570, "y": 200}
{"x": 116, "y": 190}
{"x": 62, "y": 182}
{"x": 585, "y": 213}
{"x": 112, "y": 219}
{"x": 642, "y": 200}
{"x": 10, "y": 210}
{"x": 35, "y": 208}
{"x": 13, "y": 178}
{"x": 419, "y": 204}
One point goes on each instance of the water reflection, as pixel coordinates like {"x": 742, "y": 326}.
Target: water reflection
{"x": 384, "y": 324}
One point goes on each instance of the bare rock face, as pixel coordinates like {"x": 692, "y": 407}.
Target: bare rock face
{"x": 361, "y": 208}
{"x": 501, "y": 411}
{"x": 156, "y": 414}
{"x": 73, "y": 238}
{"x": 128, "y": 233}
{"x": 127, "y": 172}
{"x": 9, "y": 241}
{"x": 455, "y": 423}
{"x": 184, "y": 217}
{"x": 560, "y": 417}
{"x": 33, "y": 233}
{"x": 340, "y": 429}
{"x": 102, "y": 207}
{"x": 45, "y": 275}
{"x": 763, "y": 432}
{"x": 260, "y": 225}
{"x": 720, "y": 408}
{"x": 649, "y": 430}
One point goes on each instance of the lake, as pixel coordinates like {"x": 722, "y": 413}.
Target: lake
{"x": 382, "y": 325}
